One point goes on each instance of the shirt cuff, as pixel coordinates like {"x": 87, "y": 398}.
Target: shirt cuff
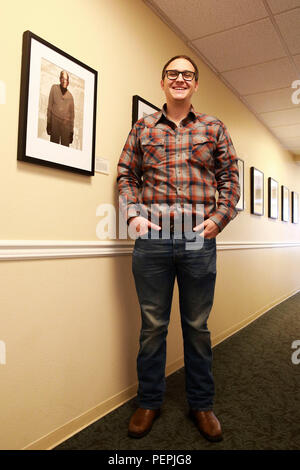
{"x": 220, "y": 219}
{"x": 132, "y": 212}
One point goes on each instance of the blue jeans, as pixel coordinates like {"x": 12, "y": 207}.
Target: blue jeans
{"x": 156, "y": 264}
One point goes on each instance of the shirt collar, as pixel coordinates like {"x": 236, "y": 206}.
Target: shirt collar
{"x": 162, "y": 114}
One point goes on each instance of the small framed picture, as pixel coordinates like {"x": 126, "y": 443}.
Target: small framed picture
{"x": 141, "y": 108}
{"x": 57, "y": 117}
{"x": 284, "y": 204}
{"x": 272, "y": 198}
{"x": 295, "y": 207}
{"x": 257, "y": 191}
{"x": 240, "y": 204}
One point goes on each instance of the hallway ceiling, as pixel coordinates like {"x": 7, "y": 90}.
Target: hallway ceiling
{"x": 253, "y": 46}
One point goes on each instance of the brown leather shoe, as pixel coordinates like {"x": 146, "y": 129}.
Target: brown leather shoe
{"x": 208, "y": 424}
{"x": 141, "y": 422}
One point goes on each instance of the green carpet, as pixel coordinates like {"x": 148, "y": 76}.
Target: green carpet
{"x": 257, "y": 396}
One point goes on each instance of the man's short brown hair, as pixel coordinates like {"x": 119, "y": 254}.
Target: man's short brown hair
{"x": 181, "y": 57}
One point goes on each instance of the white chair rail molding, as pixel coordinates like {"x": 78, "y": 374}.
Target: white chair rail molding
{"x": 44, "y": 249}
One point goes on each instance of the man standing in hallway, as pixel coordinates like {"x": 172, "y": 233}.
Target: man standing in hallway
{"x": 177, "y": 158}
{"x": 60, "y": 112}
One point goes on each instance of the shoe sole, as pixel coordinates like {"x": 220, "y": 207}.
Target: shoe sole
{"x": 142, "y": 434}
{"x": 217, "y": 438}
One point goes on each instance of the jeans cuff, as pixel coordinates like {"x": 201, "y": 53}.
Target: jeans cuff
{"x": 149, "y": 406}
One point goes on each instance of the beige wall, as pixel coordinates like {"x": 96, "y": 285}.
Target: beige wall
{"x": 71, "y": 326}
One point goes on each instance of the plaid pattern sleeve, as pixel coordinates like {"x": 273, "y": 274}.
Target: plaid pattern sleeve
{"x": 227, "y": 177}
{"x": 130, "y": 175}
{"x": 162, "y": 164}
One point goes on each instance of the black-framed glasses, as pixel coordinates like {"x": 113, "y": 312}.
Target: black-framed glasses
{"x": 186, "y": 75}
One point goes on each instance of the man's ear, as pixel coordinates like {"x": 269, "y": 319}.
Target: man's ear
{"x": 196, "y": 86}
{"x": 162, "y": 84}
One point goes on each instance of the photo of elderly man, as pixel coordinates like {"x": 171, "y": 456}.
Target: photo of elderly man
{"x": 60, "y": 112}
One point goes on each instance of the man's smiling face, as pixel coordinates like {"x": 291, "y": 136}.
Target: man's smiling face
{"x": 179, "y": 89}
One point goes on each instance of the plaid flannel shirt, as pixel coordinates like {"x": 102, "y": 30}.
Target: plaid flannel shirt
{"x": 185, "y": 165}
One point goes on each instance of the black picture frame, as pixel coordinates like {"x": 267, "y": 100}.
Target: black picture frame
{"x": 241, "y": 204}
{"x": 141, "y": 108}
{"x": 295, "y": 207}
{"x": 273, "y": 193}
{"x": 257, "y": 191}
{"x": 285, "y": 207}
{"x": 38, "y": 141}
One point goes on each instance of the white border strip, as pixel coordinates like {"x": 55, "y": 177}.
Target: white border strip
{"x": 47, "y": 249}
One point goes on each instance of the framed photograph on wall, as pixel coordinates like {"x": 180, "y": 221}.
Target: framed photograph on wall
{"x": 57, "y": 116}
{"x": 257, "y": 191}
{"x": 240, "y": 204}
{"x": 141, "y": 108}
{"x": 295, "y": 207}
{"x": 272, "y": 198}
{"x": 284, "y": 204}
